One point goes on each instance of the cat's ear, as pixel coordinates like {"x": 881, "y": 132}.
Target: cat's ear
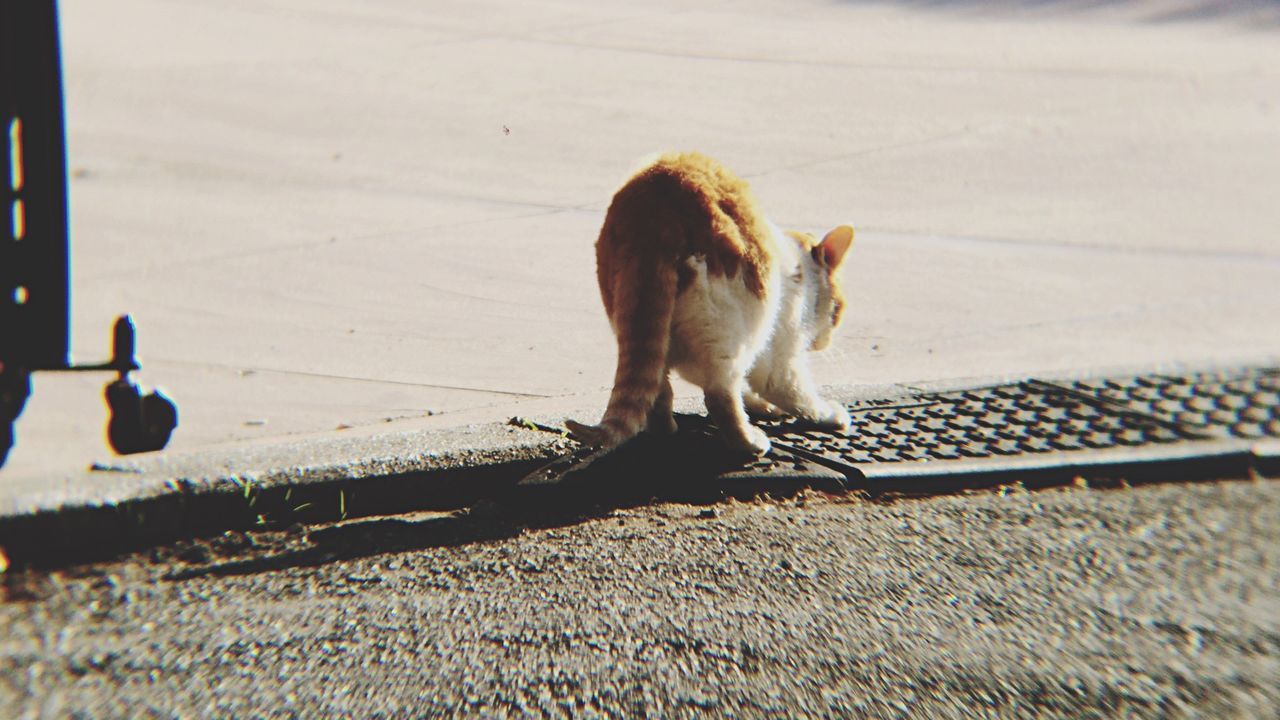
{"x": 830, "y": 252}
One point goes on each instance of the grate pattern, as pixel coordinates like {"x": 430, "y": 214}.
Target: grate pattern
{"x": 996, "y": 422}
{"x": 1030, "y": 424}
{"x": 1240, "y": 404}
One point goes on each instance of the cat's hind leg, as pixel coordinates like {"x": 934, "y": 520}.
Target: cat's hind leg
{"x": 641, "y": 316}
{"x": 661, "y": 421}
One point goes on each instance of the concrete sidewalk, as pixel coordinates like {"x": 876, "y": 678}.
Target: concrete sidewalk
{"x": 338, "y": 216}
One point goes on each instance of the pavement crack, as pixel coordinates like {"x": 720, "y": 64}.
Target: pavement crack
{"x": 864, "y": 151}
{"x": 351, "y": 378}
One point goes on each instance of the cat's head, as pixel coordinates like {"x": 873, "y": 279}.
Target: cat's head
{"x": 828, "y": 302}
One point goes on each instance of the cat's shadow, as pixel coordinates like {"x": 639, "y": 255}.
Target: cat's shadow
{"x": 689, "y": 468}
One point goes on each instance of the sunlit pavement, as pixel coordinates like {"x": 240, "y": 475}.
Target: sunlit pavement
{"x": 353, "y": 216}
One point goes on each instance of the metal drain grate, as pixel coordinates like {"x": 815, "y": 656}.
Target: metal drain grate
{"x": 1241, "y": 403}
{"x": 1208, "y": 418}
{"x": 992, "y": 422}
{"x": 1041, "y": 424}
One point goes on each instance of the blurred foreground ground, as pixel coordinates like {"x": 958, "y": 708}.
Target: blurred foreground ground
{"x": 1156, "y": 601}
{"x": 332, "y": 214}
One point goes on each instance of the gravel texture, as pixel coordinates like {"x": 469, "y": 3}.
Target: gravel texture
{"x": 1155, "y": 601}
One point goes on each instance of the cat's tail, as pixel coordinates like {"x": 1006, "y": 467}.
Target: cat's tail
{"x": 644, "y": 297}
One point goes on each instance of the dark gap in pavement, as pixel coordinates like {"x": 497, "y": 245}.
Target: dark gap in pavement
{"x": 54, "y": 539}
{"x": 641, "y": 476}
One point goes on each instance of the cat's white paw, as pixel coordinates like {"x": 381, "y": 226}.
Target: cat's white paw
{"x": 752, "y": 442}
{"x": 832, "y": 416}
{"x": 760, "y": 409}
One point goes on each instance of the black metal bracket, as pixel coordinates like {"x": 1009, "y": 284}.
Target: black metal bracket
{"x": 124, "y": 358}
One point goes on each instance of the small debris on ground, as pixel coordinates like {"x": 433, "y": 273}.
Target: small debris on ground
{"x": 527, "y": 424}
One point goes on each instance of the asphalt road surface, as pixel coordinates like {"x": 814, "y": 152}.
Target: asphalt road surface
{"x": 1154, "y": 601}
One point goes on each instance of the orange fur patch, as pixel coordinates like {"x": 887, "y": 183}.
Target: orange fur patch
{"x": 684, "y": 205}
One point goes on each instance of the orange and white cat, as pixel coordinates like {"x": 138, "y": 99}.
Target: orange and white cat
{"x": 694, "y": 279}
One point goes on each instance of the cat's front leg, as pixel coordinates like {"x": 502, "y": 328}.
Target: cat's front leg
{"x": 828, "y": 415}
{"x": 661, "y": 421}
{"x": 792, "y": 390}
{"x": 725, "y": 407}
{"x": 760, "y": 409}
